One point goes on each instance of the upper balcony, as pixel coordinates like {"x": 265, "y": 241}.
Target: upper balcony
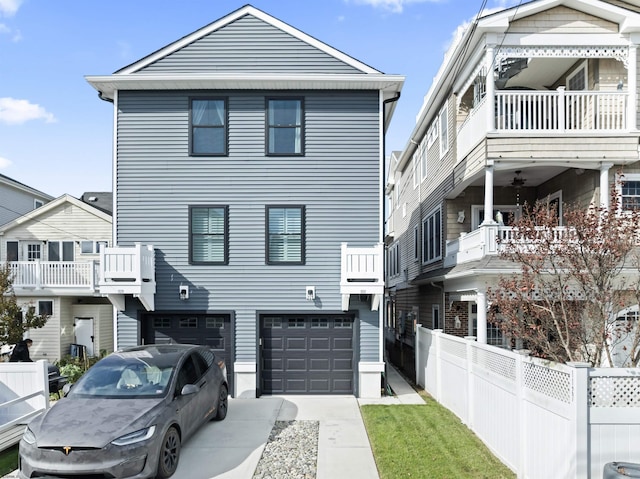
{"x": 128, "y": 271}
{"x": 517, "y": 112}
{"x": 362, "y": 272}
{"x": 65, "y": 278}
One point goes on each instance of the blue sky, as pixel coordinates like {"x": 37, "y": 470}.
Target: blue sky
{"x": 56, "y": 135}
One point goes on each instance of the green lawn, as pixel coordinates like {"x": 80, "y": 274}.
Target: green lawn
{"x": 427, "y": 441}
{"x": 8, "y": 460}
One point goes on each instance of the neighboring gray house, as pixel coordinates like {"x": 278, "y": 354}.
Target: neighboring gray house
{"x": 16, "y": 199}
{"x": 248, "y": 212}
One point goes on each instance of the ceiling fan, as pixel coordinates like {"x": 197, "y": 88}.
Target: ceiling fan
{"x": 518, "y": 180}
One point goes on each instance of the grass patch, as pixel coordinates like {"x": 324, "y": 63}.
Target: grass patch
{"x": 427, "y": 441}
{"x": 8, "y": 460}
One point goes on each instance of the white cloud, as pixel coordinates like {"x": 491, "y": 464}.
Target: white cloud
{"x": 4, "y": 163}
{"x": 394, "y": 6}
{"x": 16, "y": 112}
{"x": 8, "y": 8}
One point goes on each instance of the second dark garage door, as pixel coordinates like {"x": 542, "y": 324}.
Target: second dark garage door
{"x": 307, "y": 354}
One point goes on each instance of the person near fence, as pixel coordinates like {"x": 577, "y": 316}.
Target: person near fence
{"x": 20, "y": 353}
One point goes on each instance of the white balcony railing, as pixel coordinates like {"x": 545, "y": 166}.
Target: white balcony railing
{"x": 535, "y": 111}
{"x": 54, "y": 274}
{"x": 128, "y": 270}
{"x": 361, "y": 272}
{"x": 484, "y": 241}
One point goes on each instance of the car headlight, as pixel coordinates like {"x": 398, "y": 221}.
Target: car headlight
{"x": 28, "y": 436}
{"x": 133, "y": 437}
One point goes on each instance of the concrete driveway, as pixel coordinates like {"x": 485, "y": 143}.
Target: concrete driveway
{"x": 232, "y": 448}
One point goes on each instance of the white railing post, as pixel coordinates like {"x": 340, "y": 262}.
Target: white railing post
{"x": 521, "y": 418}
{"x": 562, "y": 122}
{"x": 579, "y": 449}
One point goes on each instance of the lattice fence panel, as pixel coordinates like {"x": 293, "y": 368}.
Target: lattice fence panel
{"x": 614, "y": 391}
{"x": 455, "y": 348}
{"x": 550, "y": 382}
{"x": 497, "y": 363}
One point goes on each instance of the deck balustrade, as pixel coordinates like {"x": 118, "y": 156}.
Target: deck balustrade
{"x": 54, "y": 274}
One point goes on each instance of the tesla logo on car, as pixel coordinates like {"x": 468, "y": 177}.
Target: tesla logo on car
{"x": 67, "y": 450}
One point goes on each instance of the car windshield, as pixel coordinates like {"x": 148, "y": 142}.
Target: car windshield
{"x": 131, "y": 374}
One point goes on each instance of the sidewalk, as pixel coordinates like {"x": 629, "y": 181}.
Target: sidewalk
{"x": 403, "y": 392}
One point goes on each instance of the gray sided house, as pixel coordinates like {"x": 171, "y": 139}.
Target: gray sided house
{"x": 17, "y": 199}
{"x": 248, "y": 212}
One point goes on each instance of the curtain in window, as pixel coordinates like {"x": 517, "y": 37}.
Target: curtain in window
{"x": 285, "y": 126}
{"x": 208, "y": 235}
{"x": 208, "y": 123}
{"x": 285, "y": 235}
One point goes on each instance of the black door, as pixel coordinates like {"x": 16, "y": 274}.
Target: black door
{"x": 307, "y": 354}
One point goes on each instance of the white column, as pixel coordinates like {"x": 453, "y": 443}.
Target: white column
{"x": 481, "y": 301}
{"x": 632, "y": 85}
{"x": 605, "y": 193}
{"x": 488, "y": 193}
{"x": 490, "y": 90}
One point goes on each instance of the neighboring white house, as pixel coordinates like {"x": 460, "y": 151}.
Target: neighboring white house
{"x": 53, "y": 253}
{"x": 535, "y": 102}
{"x": 17, "y": 199}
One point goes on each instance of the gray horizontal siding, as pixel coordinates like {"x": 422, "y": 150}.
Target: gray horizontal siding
{"x": 249, "y": 45}
{"x": 337, "y": 181}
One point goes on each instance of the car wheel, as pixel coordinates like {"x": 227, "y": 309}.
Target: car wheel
{"x": 169, "y": 454}
{"x": 223, "y": 403}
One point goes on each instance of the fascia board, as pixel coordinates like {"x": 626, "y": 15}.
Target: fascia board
{"x": 108, "y": 84}
{"x": 230, "y": 18}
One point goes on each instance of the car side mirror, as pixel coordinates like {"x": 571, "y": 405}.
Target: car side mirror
{"x": 189, "y": 389}
{"x": 66, "y": 388}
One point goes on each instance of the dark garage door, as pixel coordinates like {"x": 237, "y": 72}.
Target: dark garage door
{"x": 307, "y": 354}
{"x": 212, "y": 330}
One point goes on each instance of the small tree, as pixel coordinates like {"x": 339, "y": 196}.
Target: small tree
{"x": 13, "y": 324}
{"x": 564, "y": 301}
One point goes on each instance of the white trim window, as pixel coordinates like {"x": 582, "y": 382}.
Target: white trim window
{"x": 578, "y": 79}
{"x": 423, "y": 159}
{"x": 432, "y": 135}
{"x": 432, "y": 236}
{"x": 629, "y": 191}
{"x": 394, "y": 259}
{"x": 92, "y": 247}
{"x": 416, "y": 168}
{"x": 416, "y": 243}
{"x": 443, "y": 120}
{"x": 60, "y": 250}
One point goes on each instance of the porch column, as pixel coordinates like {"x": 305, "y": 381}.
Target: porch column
{"x": 481, "y": 301}
{"x": 488, "y": 194}
{"x": 490, "y": 90}
{"x": 632, "y": 85}
{"x": 604, "y": 185}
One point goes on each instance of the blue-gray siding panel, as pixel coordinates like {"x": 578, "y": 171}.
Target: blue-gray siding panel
{"x": 249, "y": 45}
{"x": 337, "y": 181}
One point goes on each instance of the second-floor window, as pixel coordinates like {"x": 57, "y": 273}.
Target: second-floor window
{"x": 60, "y": 250}
{"x": 444, "y": 131}
{"x": 285, "y": 235}
{"x": 432, "y": 237}
{"x": 208, "y": 235}
{"x": 285, "y": 126}
{"x": 208, "y": 126}
{"x": 393, "y": 260}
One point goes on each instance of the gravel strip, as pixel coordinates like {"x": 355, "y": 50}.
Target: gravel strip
{"x": 291, "y": 452}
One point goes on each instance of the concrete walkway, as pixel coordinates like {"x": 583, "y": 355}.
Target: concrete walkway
{"x": 232, "y": 448}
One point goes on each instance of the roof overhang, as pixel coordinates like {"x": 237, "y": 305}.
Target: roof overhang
{"x": 107, "y": 85}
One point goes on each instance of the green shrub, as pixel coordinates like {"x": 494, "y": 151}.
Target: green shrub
{"x": 73, "y": 367}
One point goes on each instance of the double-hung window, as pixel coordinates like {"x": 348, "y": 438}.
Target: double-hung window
{"x": 432, "y": 236}
{"x": 444, "y": 130}
{"x": 208, "y": 234}
{"x": 208, "y": 135}
{"x": 285, "y": 126}
{"x": 630, "y": 192}
{"x": 285, "y": 235}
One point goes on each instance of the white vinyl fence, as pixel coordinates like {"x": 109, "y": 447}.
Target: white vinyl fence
{"x": 24, "y": 393}
{"x": 542, "y": 419}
